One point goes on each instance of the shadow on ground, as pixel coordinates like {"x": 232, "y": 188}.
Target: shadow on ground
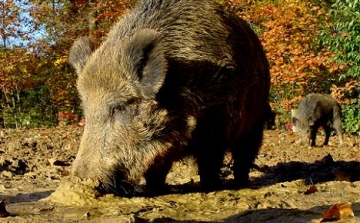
{"x": 270, "y": 215}
{"x": 324, "y": 170}
{"x": 320, "y": 171}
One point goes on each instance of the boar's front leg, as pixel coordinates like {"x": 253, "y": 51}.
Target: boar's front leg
{"x": 156, "y": 175}
{"x": 312, "y": 136}
{"x": 327, "y": 130}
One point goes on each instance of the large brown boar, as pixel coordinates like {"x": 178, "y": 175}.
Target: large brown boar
{"x": 173, "y": 78}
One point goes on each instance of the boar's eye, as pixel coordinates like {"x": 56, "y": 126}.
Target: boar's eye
{"x": 124, "y": 112}
{"x": 117, "y": 109}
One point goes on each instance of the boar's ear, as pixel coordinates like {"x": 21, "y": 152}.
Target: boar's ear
{"x": 294, "y": 112}
{"x": 80, "y": 52}
{"x": 144, "y": 56}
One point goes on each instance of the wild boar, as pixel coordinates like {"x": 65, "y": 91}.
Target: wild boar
{"x": 317, "y": 110}
{"x": 173, "y": 78}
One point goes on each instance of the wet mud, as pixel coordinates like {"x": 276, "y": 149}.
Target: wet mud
{"x": 34, "y": 180}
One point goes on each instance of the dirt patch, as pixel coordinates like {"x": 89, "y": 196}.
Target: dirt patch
{"x": 35, "y": 168}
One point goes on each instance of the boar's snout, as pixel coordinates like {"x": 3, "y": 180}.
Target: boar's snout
{"x": 88, "y": 173}
{"x": 80, "y": 169}
{"x": 87, "y": 163}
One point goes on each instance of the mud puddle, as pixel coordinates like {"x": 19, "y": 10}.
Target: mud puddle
{"x": 281, "y": 202}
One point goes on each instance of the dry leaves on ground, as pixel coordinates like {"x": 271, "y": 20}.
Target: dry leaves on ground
{"x": 56, "y": 162}
{"x": 337, "y": 212}
{"x": 312, "y": 189}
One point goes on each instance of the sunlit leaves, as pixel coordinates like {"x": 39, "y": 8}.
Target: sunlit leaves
{"x": 342, "y": 36}
{"x": 288, "y": 31}
{"x": 16, "y": 26}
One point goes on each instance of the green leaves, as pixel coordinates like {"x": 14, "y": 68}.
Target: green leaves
{"x": 343, "y": 36}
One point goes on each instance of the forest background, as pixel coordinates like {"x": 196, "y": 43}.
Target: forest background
{"x": 312, "y": 46}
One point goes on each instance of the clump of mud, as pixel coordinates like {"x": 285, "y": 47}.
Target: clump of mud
{"x": 75, "y": 193}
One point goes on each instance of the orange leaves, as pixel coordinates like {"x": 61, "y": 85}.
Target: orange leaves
{"x": 288, "y": 30}
{"x": 341, "y": 93}
{"x": 289, "y": 33}
{"x": 338, "y": 211}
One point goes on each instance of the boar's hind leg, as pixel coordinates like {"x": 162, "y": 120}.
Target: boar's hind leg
{"x": 337, "y": 123}
{"x": 244, "y": 153}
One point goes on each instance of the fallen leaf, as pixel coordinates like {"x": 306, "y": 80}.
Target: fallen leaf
{"x": 64, "y": 173}
{"x": 312, "y": 189}
{"x": 56, "y": 162}
{"x": 337, "y": 212}
{"x": 3, "y": 211}
{"x": 81, "y": 123}
{"x": 52, "y": 161}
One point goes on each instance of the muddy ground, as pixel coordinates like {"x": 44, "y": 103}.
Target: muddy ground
{"x": 34, "y": 180}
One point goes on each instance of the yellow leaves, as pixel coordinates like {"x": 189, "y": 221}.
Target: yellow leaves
{"x": 8, "y": 69}
{"x": 60, "y": 61}
{"x": 289, "y": 29}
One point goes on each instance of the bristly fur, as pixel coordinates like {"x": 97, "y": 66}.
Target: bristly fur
{"x": 173, "y": 78}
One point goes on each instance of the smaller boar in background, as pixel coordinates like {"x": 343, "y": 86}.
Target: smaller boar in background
{"x": 317, "y": 110}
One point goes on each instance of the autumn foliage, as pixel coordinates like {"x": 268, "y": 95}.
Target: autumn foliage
{"x": 290, "y": 31}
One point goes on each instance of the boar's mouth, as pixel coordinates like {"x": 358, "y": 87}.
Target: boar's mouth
{"x": 117, "y": 185}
